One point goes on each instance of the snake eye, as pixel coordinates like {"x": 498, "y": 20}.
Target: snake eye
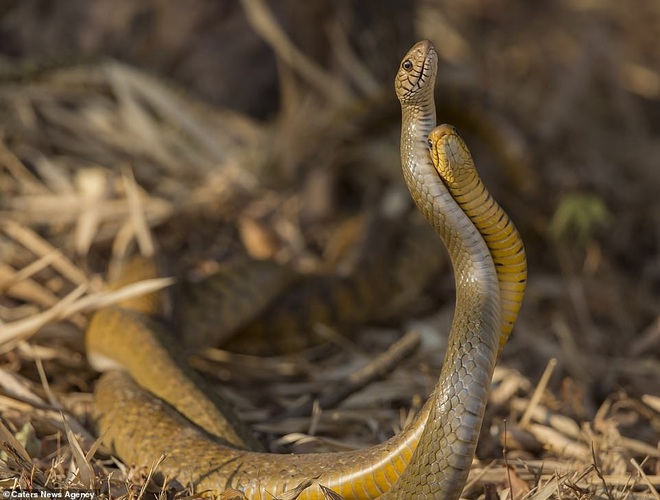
{"x": 430, "y": 143}
{"x": 407, "y": 65}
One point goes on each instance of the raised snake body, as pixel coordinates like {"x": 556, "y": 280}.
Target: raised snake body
{"x": 453, "y": 162}
{"x": 430, "y": 459}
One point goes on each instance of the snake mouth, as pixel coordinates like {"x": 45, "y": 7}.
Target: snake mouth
{"x": 427, "y": 68}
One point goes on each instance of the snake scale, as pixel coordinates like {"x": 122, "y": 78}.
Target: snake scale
{"x": 429, "y": 459}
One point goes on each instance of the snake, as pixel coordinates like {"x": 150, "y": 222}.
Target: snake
{"x": 453, "y": 162}
{"x": 261, "y": 308}
{"x": 154, "y": 410}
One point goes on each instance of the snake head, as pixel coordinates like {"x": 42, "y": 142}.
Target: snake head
{"x": 450, "y": 155}
{"x": 414, "y": 80}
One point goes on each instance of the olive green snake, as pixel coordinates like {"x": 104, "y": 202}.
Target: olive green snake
{"x": 429, "y": 459}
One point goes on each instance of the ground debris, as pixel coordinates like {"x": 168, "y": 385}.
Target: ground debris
{"x": 561, "y": 117}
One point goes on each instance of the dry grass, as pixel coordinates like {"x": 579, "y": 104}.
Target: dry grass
{"x": 98, "y": 157}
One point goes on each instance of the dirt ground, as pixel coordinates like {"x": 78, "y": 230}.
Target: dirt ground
{"x": 210, "y": 129}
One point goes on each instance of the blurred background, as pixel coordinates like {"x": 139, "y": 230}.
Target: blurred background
{"x": 272, "y": 126}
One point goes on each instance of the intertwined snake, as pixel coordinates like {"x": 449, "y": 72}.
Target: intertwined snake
{"x": 432, "y": 457}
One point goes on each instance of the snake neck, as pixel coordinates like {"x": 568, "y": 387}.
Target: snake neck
{"x": 417, "y": 122}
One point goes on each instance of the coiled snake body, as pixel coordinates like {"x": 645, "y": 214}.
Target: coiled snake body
{"x": 430, "y": 459}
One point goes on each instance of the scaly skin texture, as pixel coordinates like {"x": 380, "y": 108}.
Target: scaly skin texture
{"x": 453, "y": 161}
{"x": 430, "y": 459}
